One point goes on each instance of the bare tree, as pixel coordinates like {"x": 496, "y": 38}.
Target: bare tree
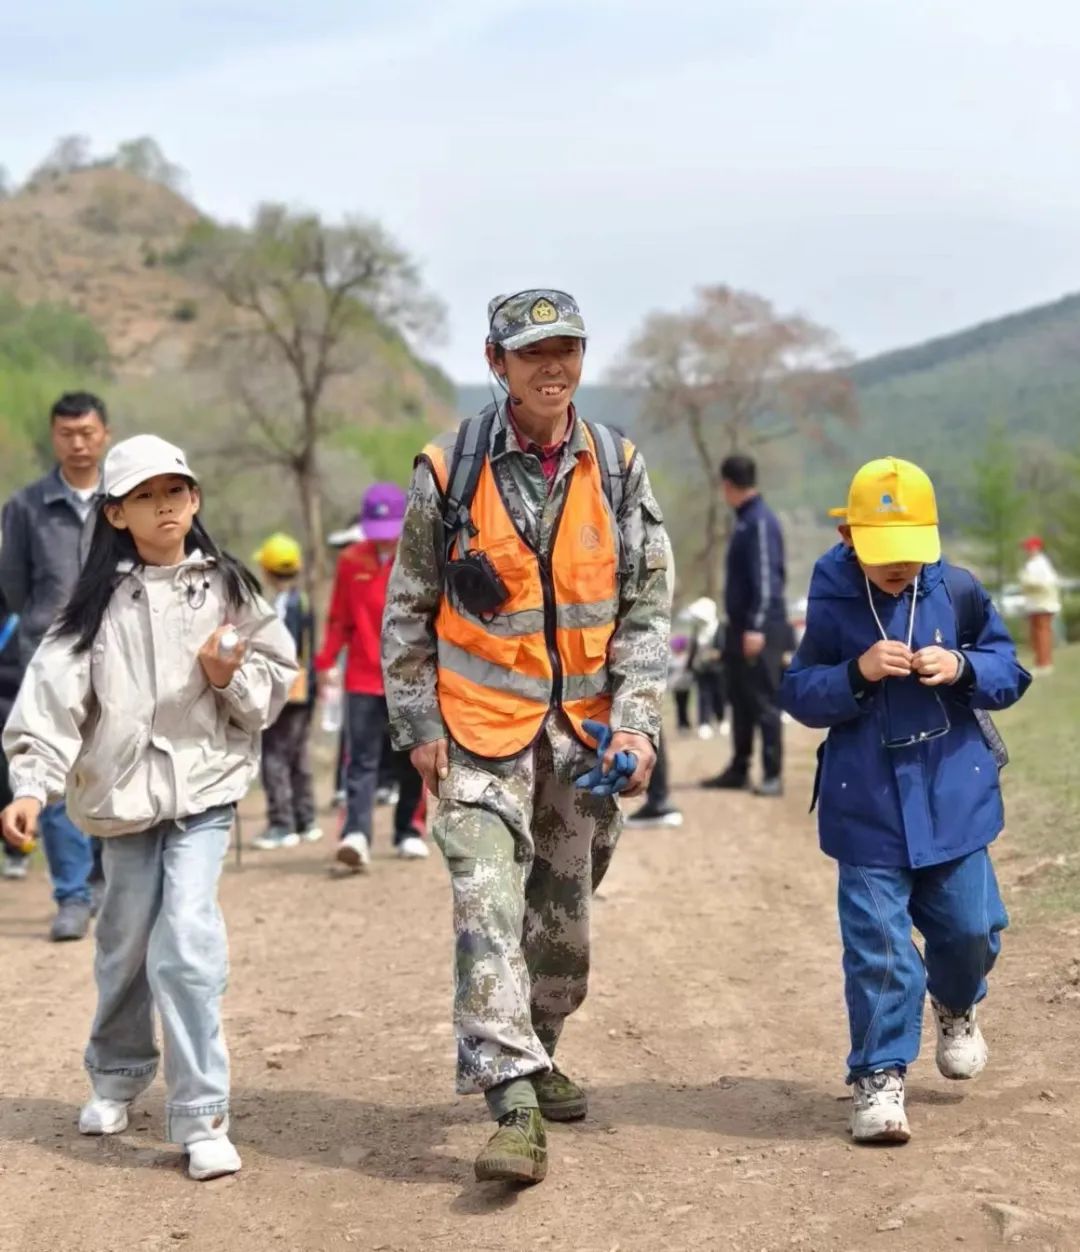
{"x": 68, "y": 154}
{"x": 316, "y": 302}
{"x": 731, "y": 374}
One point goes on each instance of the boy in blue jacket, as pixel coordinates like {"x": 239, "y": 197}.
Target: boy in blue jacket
{"x": 907, "y": 790}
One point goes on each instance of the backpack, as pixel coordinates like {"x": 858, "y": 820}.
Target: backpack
{"x": 470, "y": 451}
{"x": 967, "y": 602}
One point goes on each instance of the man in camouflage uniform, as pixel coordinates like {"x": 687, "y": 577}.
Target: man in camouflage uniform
{"x": 524, "y": 847}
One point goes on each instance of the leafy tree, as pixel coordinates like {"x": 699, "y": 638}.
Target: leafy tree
{"x": 1000, "y": 511}
{"x": 316, "y": 302}
{"x": 144, "y": 157}
{"x": 731, "y": 374}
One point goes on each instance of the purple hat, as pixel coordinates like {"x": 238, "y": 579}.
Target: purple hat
{"x": 382, "y": 512}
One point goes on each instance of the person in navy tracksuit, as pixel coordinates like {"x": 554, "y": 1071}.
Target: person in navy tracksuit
{"x": 757, "y": 634}
{"x": 908, "y": 792}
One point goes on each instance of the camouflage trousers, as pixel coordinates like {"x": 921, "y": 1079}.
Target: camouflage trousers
{"x": 525, "y": 850}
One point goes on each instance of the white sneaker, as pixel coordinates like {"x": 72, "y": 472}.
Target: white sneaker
{"x": 103, "y": 1117}
{"x": 354, "y": 851}
{"x": 961, "y": 1048}
{"x": 877, "y": 1113}
{"x": 212, "y": 1158}
{"x": 705, "y": 732}
{"x": 14, "y": 867}
{"x": 725, "y": 728}
{"x": 387, "y": 795}
{"x": 312, "y": 835}
{"x": 275, "y": 837}
{"x": 412, "y": 848}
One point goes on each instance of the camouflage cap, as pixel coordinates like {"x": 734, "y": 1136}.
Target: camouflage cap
{"x": 528, "y": 316}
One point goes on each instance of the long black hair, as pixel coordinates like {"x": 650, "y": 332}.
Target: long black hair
{"x": 109, "y": 549}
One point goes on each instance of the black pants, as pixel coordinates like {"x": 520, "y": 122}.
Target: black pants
{"x": 286, "y": 770}
{"x": 711, "y": 695}
{"x": 682, "y": 709}
{"x": 657, "y": 794}
{"x": 751, "y": 690}
{"x": 368, "y": 720}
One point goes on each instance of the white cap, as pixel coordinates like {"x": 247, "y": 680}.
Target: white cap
{"x": 142, "y": 457}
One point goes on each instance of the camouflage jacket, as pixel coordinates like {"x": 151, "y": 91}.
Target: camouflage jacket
{"x": 638, "y": 652}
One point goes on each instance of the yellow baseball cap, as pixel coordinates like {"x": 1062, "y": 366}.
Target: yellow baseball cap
{"x": 892, "y": 512}
{"x": 280, "y": 554}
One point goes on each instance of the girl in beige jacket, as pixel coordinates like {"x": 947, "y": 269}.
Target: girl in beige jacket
{"x": 144, "y": 705}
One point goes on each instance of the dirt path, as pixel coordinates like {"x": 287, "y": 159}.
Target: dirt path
{"x": 712, "y": 1043}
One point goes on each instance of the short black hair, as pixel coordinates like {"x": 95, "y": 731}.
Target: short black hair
{"x": 79, "y": 404}
{"x": 739, "y": 470}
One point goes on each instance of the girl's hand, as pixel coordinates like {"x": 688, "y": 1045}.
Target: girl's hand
{"x": 19, "y": 823}
{"x": 218, "y": 668}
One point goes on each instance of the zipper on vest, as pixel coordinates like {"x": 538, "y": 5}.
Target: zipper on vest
{"x": 547, "y": 586}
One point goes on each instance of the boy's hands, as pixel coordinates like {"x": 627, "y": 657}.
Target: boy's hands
{"x": 887, "y": 659}
{"x": 19, "y": 823}
{"x": 936, "y": 667}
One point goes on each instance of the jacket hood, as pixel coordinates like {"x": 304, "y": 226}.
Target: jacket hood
{"x": 838, "y": 576}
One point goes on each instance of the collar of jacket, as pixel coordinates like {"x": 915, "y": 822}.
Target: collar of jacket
{"x": 748, "y": 506}
{"x": 504, "y": 441}
{"x": 163, "y": 573}
{"x": 54, "y": 489}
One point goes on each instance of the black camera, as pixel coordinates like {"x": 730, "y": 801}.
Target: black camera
{"x": 476, "y": 584}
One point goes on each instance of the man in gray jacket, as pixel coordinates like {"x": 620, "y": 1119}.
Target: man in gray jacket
{"x": 46, "y": 532}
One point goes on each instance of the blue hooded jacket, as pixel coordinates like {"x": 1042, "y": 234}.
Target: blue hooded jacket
{"x": 933, "y": 800}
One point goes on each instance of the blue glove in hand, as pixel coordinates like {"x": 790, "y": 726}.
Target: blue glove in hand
{"x": 622, "y": 767}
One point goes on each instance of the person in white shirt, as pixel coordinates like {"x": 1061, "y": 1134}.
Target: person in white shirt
{"x": 1042, "y": 601}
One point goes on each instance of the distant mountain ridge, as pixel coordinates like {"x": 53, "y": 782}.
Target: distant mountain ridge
{"x": 931, "y": 402}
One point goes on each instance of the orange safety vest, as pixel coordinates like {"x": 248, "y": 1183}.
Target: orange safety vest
{"x": 547, "y": 646}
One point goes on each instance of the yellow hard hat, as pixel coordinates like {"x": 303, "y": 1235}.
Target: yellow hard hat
{"x": 280, "y": 554}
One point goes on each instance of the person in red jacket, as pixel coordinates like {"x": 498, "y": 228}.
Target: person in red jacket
{"x": 355, "y": 624}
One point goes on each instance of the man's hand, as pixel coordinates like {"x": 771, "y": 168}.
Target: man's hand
{"x": 432, "y": 762}
{"x": 19, "y": 823}
{"x": 641, "y": 747}
{"x": 887, "y": 659}
{"x": 753, "y": 644}
{"x": 220, "y": 669}
{"x": 936, "y": 667}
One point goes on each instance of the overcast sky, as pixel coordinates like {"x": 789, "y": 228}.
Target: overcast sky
{"x": 893, "y": 168}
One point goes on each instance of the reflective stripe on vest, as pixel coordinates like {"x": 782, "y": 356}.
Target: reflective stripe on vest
{"x": 548, "y": 645}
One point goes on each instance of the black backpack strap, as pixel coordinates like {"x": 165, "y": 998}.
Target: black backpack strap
{"x": 967, "y": 604}
{"x": 611, "y": 456}
{"x": 466, "y": 464}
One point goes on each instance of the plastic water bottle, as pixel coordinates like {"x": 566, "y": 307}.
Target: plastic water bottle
{"x": 228, "y": 644}
{"x": 332, "y": 704}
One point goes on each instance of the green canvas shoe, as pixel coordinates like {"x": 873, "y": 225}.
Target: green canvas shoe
{"x": 560, "y": 1099}
{"x": 517, "y": 1151}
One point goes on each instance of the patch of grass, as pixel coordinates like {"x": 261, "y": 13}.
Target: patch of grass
{"x": 1042, "y": 785}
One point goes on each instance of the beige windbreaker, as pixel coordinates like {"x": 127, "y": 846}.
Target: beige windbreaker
{"x": 132, "y": 731}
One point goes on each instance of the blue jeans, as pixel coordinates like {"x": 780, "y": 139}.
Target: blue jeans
{"x": 957, "y": 909}
{"x": 161, "y": 944}
{"x": 367, "y": 722}
{"x": 70, "y": 855}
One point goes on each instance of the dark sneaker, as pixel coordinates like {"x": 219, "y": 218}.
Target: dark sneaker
{"x": 72, "y": 921}
{"x": 517, "y": 1151}
{"x": 655, "y": 815}
{"x": 729, "y": 780}
{"x": 771, "y": 787}
{"x": 560, "y": 1099}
